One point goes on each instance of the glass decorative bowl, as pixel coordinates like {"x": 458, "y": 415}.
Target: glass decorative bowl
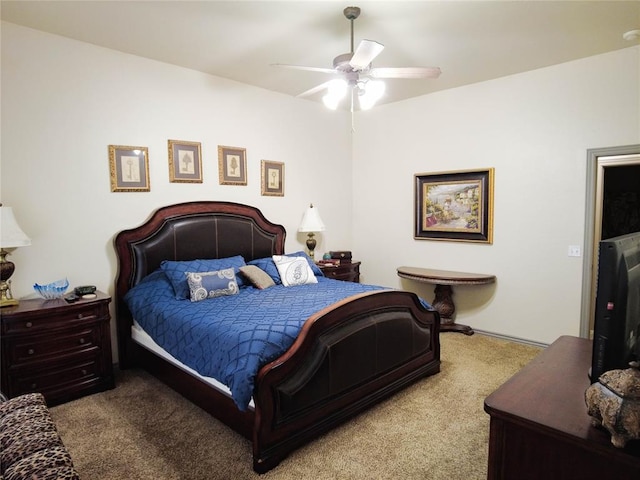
{"x": 52, "y": 290}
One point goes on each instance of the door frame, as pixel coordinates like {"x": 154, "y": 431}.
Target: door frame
{"x": 598, "y": 159}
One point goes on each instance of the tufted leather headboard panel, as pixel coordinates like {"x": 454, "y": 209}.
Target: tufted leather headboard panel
{"x": 195, "y": 230}
{"x": 188, "y": 231}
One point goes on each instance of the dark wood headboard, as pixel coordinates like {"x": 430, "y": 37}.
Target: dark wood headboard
{"x": 188, "y": 231}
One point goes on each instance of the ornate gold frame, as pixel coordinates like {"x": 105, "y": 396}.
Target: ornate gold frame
{"x": 231, "y": 159}
{"x": 181, "y": 154}
{"x": 272, "y": 178}
{"x": 132, "y": 177}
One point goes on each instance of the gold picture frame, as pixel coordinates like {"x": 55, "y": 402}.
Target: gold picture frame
{"x": 185, "y": 161}
{"x": 232, "y": 165}
{"x": 455, "y": 206}
{"x": 129, "y": 168}
{"x": 272, "y": 178}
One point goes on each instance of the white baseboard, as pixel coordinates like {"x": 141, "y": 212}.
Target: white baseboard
{"x": 512, "y": 339}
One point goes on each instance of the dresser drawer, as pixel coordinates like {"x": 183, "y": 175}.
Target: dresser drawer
{"x": 33, "y": 324}
{"x": 349, "y": 272}
{"x": 38, "y": 348}
{"x": 339, "y": 274}
{"x": 56, "y": 378}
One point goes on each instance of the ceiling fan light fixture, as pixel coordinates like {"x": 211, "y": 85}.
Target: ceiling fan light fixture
{"x": 357, "y": 76}
{"x": 370, "y": 93}
{"x": 336, "y": 90}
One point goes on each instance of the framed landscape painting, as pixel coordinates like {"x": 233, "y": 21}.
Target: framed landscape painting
{"x": 456, "y": 206}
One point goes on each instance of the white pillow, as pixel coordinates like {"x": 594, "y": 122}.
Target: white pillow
{"x": 294, "y": 270}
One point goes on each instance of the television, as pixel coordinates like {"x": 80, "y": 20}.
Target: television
{"x": 616, "y": 329}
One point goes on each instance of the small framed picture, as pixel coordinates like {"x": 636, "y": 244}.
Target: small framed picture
{"x": 232, "y": 165}
{"x": 185, "y": 162}
{"x": 455, "y": 206}
{"x": 272, "y": 178}
{"x": 129, "y": 168}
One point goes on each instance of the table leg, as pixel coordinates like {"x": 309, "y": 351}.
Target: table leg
{"x": 443, "y": 303}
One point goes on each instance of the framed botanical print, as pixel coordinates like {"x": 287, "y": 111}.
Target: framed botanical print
{"x": 185, "y": 162}
{"x": 129, "y": 168}
{"x": 232, "y": 165}
{"x": 454, "y": 206}
{"x": 272, "y": 178}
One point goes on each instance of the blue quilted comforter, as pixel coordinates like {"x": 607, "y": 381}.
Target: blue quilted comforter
{"x": 229, "y": 338}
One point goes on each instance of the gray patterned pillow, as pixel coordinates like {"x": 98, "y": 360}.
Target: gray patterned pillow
{"x": 203, "y": 285}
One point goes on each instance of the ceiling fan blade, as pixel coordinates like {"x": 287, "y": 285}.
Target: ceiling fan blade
{"x": 366, "y": 51}
{"x": 405, "y": 72}
{"x": 302, "y": 67}
{"x": 314, "y": 90}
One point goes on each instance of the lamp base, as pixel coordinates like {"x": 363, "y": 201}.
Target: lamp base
{"x": 8, "y": 302}
{"x": 6, "y": 270}
{"x": 311, "y": 244}
{"x": 6, "y": 299}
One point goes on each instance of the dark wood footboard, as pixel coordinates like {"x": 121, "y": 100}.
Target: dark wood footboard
{"x": 348, "y": 357}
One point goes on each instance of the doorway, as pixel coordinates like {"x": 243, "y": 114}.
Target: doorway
{"x": 612, "y": 209}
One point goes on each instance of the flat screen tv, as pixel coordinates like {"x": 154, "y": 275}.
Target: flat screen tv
{"x": 616, "y": 328}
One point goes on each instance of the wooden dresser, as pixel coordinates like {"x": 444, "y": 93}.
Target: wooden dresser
{"x": 349, "y": 272}
{"x": 59, "y": 349}
{"x": 540, "y": 428}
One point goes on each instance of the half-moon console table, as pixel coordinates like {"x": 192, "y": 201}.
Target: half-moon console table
{"x": 443, "y": 301}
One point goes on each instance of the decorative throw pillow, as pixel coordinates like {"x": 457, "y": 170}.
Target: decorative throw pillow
{"x": 266, "y": 264}
{"x": 294, "y": 270}
{"x": 175, "y": 271}
{"x": 314, "y": 268}
{"x": 203, "y": 285}
{"x": 269, "y": 266}
{"x": 258, "y": 277}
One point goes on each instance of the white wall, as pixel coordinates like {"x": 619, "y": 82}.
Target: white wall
{"x": 534, "y": 129}
{"x": 64, "y": 102}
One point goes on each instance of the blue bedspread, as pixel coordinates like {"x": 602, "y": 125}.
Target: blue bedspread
{"x": 229, "y": 338}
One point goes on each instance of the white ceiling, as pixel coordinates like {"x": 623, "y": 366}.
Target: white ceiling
{"x": 471, "y": 41}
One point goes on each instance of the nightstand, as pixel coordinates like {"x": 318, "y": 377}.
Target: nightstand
{"x": 60, "y": 349}
{"x": 349, "y": 272}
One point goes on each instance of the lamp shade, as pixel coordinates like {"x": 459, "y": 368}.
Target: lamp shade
{"x": 311, "y": 221}
{"x": 11, "y": 235}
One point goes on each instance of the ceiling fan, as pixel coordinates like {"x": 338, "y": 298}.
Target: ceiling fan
{"x": 354, "y": 71}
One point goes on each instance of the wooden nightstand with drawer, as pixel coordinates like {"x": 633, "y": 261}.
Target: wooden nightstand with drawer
{"x": 60, "y": 349}
{"x": 349, "y": 272}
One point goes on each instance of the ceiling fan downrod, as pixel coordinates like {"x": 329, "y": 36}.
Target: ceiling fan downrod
{"x": 351, "y": 13}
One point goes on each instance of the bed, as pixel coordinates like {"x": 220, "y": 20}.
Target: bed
{"x": 347, "y": 357}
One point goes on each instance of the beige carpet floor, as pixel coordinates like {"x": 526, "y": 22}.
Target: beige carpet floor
{"x": 435, "y": 429}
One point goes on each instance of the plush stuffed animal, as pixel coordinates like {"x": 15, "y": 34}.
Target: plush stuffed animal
{"x": 614, "y": 403}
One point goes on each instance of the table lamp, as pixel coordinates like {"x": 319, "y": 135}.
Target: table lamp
{"x": 11, "y": 236}
{"x": 311, "y": 223}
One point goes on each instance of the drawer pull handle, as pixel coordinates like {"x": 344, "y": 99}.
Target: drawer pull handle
{"x": 80, "y": 316}
{"x": 28, "y": 325}
{"x": 31, "y": 351}
{"x": 33, "y": 386}
{"x": 83, "y": 371}
{"x": 81, "y": 341}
